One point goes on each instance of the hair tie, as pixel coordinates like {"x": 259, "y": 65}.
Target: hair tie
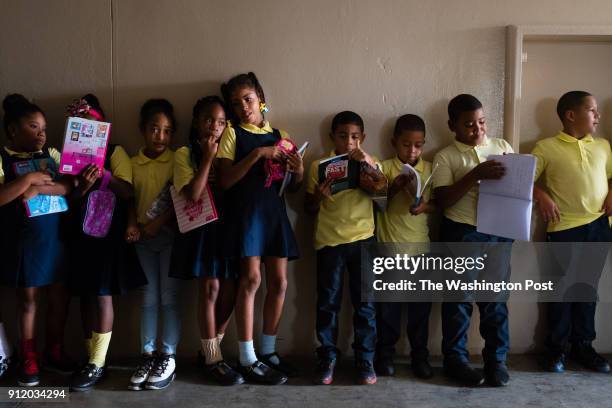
{"x": 80, "y": 107}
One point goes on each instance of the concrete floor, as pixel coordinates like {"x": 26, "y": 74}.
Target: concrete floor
{"x": 529, "y": 387}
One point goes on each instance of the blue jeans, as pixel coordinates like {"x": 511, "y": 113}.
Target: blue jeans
{"x": 574, "y": 322}
{"x": 331, "y": 263}
{"x": 456, "y": 316}
{"x": 154, "y": 256}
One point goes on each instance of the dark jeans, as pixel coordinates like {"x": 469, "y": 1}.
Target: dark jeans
{"x": 574, "y": 322}
{"x": 388, "y": 330}
{"x": 331, "y": 263}
{"x": 456, "y": 315}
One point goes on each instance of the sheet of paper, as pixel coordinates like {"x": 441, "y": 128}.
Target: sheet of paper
{"x": 504, "y": 216}
{"x": 504, "y": 206}
{"x": 518, "y": 181}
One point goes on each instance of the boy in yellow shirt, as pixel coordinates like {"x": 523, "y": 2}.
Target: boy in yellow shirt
{"x": 343, "y": 223}
{"x": 575, "y": 201}
{"x": 461, "y": 166}
{"x": 402, "y": 223}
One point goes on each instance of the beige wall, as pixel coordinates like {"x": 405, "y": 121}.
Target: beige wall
{"x": 314, "y": 58}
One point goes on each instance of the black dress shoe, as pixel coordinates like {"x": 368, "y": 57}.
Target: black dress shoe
{"x": 275, "y": 361}
{"x": 554, "y": 362}
{"x": 260, "y": 373}
{"x": 384, "y": 367}
{"x": 463, "y": 374}
{"x": 496, "y": 374}
{"x": 325, "y": 371}
{"x": 223, "y": 374}
{"x": 422, "y": 369}
{"x": 85, "y": 379}
{"x": 589, "y": 358}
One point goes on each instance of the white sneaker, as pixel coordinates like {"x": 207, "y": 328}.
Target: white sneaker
{"x": 162, "y": 373}
{"x": 4, "y": 364}
{"x": 140, "y": 376}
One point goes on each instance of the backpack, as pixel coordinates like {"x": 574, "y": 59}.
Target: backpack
{"x": 99, "y": 210}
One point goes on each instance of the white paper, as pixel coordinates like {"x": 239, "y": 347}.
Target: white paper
{"x": 504, "y": 206}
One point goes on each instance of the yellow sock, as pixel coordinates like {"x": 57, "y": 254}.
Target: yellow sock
{"x": 88, "y": 346}
{"x": 99, "y": 348}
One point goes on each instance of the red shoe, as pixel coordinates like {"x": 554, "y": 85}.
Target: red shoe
{"x": 56, "y": 360}
{"x": 28, "y": 368}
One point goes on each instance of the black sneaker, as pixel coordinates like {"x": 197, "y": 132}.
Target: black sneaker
{"x": 384, "y": 366}
{"x": 223, "y": 374}
{"x": 365, "y": 372}
{"x": 162, "y": 373}
{"x": 422, "y": 369}
{"x": 589, "y": 358}
{"x": 554, "y": 362}
{"x": 463, "y": 374}
{"x": 260, "y": 373}
{"x": 283, "y": 366}
{"x": 87, "y": 378}
{"x": 325, "y": 371}
{"x": 496, "y": 374}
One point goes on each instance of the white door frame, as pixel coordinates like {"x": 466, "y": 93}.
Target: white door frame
{"x": 515, "y": 38}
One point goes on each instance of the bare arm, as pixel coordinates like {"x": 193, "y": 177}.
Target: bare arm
{"x": 196, "y": 186}
{"x": 230, "y": 173}
{"x": 447, "y": 196}
{"x": 16, "y": 188}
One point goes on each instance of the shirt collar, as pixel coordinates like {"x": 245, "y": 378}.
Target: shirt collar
{"x": 462, "y": 147}
{"x": 266, "y": 128}
{"x": 571, "y": 139}
{"x": 21, "y": 155}
{"x": 165, "y": 157}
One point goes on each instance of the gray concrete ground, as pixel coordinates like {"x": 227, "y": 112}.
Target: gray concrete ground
{"x": 529, "y": 387}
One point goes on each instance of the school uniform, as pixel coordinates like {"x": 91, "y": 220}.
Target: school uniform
{"x": 102, "y": 266}
{"x": 397, "y": 225}
{"x": 149, "y": 177}
{"x": 256, "y": 219}
{"x": 576, "y": 173}
{"x": 343, "y": 223}
{"x": 459, "y": 225}
{"x": 32, "y": 249}
{"x": 199, "y": 253}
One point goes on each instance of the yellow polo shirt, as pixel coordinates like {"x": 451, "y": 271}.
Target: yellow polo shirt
{"x": 454, "y": 162}
{"x": 575, "y": 173}
{"x": 346, "y": 217}
{"x": 53, "y": 152}
{"x": 396, "y": 224}
{"x": 150, "y": 176}
{"x": 227, "y": 145}
{"x": 121, "y": 165}
{"x": 184, "y": 170}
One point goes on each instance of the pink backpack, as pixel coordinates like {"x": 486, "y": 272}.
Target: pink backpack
{"x": 99, "y": 210}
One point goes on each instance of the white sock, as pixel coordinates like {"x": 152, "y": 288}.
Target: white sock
{"x": 220, "y": 337}
{"x": 247, "y": 353}
{"x": 268, "y": 346}
{"x": 211, "y": 351}
{"x": 6, "y": 350}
